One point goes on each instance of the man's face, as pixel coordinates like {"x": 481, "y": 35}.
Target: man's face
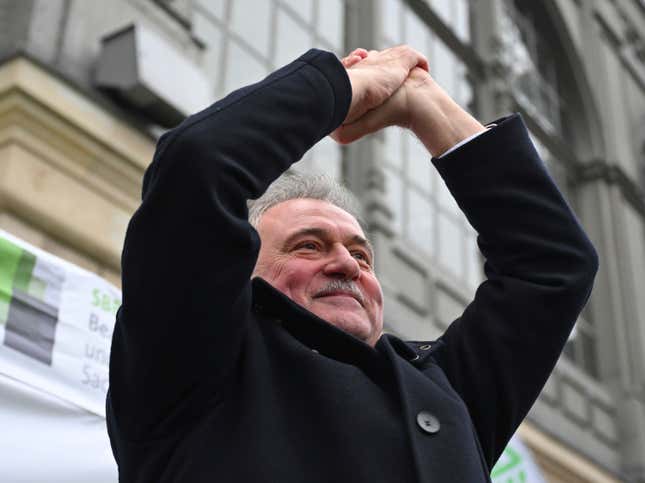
{"x": 317, "y": 254}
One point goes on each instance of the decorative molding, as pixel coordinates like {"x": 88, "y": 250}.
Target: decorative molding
{"x": 608, "y": 432}
{"x": 612, "y": 174}
{"x": 69, "y": 168}
{"x": 559, "y": 460}
{"x": 497, "y": 66}
{"x": 574, "y": 401}
{"x": 45, "y": 88}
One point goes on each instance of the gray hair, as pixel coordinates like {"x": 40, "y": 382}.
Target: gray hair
{"x": 294, "y": 185}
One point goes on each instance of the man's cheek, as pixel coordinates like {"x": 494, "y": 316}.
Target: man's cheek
{"x": 374, "y": 291}
{"x": 284, "y": 277}
{"x": 275, "y": 269}
{"x": 300, "y": 278}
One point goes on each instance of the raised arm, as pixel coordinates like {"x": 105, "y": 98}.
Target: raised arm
{"x": 539, "y": 266}
{"x": 189, "y": 250}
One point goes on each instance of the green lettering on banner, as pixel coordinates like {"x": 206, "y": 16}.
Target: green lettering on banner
{"x": 10, "y": 257}
{"x": 509, "y": 468}
{"x": 24, "y": 270}
{"x": 105, "y": 301}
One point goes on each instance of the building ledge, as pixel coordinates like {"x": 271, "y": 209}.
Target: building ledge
{"x": 69, "y": 168}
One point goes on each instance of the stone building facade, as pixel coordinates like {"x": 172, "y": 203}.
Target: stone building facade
{"x": 87, "y": 86}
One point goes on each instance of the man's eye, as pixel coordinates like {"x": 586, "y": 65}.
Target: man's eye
{"x": 308, "y": 246}
{"x": 361, "y": 256}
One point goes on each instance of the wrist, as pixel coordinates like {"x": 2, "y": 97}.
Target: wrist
{"x": 360, "y": 95}
{"x": 438, "y": 121}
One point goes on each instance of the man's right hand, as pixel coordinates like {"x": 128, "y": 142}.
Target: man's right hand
{"x": 379, "y": 75}
{"x": 418, "y": 104}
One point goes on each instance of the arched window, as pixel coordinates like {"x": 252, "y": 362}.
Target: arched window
{"x": 546, "y": 91}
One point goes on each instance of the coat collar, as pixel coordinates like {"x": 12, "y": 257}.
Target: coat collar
{"x": 326, "y": 338}
{"x": 307, "y": 327}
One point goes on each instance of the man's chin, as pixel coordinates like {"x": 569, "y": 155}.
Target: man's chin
{"x": 341, "y": 302}
{"x": 351, "y": 323}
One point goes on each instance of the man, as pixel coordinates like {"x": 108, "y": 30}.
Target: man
{"x": 287, "y": 377}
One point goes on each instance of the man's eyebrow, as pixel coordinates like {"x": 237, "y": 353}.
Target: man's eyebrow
{"x": 322, "y": 234}
{"x": 364, "y": 242}
{"x": 317, "y": 232}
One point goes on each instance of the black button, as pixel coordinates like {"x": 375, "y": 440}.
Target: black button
{"x": 428, "y": 422}
{"x": 416, "y": 357}
{"x": 425, "y": 347}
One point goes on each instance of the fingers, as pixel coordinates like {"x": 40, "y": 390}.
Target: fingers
{"x": 410, "y": 57}
{"x": 354, "y": 57}
{"x": 376, "y": 119}
{"x": 413, "y": 58}
{"x": 350, "y": 61}
{"x": 362, "y": 53}
{"x": 422, "y": 62}
{"x": 348, "y": 133}
{"x": 375, "y": 77}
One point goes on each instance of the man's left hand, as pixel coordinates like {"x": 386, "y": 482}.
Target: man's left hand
{"x": 420, "y": 105}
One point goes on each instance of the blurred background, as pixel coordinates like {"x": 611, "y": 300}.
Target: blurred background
{"x": 87, "y": 86}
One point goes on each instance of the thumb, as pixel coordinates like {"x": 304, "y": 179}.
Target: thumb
{"x": 383, "y": 116}
{"x": 350, "y": 61}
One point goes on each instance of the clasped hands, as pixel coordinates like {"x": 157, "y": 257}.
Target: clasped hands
{"x": 393, "y": 87}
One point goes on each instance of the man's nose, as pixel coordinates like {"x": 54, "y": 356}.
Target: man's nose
{"x": 342, "y": 264}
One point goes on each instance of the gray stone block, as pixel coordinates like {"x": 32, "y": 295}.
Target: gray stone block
{"x": 574, "y": 402}
{"x": 604, "y": 424}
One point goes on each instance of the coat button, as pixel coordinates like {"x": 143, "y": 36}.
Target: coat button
{"x": 425, "y": 347}
{"x": 428, "y": 422}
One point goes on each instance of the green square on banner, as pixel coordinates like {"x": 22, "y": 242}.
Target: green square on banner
{"x": 24, "y": 270}
{"x": 10, "y": 257}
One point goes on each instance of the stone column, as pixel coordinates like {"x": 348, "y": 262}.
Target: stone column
{"x": 362, "y": 160}
{"x": 493, "y": 97}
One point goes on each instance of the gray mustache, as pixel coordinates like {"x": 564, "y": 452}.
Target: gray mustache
{"x": 339, "y": 285}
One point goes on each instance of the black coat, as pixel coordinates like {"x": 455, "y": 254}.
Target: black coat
{"x": 217, "y": 378}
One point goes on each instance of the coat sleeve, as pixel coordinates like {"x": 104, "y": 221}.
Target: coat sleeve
{"x": 539, "y": 266}
{"x": 189, "y": 250}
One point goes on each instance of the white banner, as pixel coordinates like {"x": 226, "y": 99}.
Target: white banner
{"x": 56, "y": 323}
{"x": 516, "y": 465}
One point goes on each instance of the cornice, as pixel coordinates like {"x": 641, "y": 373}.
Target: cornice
{"x": 26, "y": 123}
{"x": 558, "y": 459}
{"x": 22, "y": 74}
{"x": 70, "y": 168}
{"x": 612, "y": 174}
